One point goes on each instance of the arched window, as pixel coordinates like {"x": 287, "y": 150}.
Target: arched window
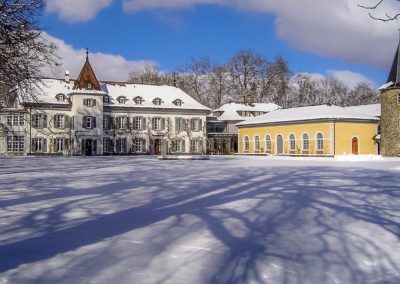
{"x": 106, "y": 99}
{"x": 320, "y": 141}
{"x": 121, "y": 99}
{"x": 306, "y": 142}
{"x": 138, "y": 100}
{"x": 256, "y": 143}
{"x": 60, "y": 97}
{"x": 292, "y": 142}
{"x": 268, "y": 143}
{"x": 246, "y": 143}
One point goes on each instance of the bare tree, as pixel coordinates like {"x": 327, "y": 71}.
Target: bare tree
{"x": 246, "y": 69}
{"x": 374, "y": 7}
{"x": 23, "y": 50}
{"x": 148, "y": 74}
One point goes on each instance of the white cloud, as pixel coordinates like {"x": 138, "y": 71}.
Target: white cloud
{"x": 106, "y": 66}
{"x": 334, "y": 28}
{"x": 351, "y": 79}
{"x": 76, "y": 10}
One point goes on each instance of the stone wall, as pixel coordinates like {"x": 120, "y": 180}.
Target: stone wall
{"x": 390, "y": 123}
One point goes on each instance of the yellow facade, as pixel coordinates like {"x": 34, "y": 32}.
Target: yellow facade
{"x": 310, "y": 138}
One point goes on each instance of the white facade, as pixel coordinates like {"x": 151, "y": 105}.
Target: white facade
{"x": 117, "y": 118}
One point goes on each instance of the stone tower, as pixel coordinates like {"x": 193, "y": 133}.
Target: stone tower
{"x": 390, "y": 111}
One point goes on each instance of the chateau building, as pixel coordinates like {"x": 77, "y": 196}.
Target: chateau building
{"x": 323, "y": 130}
{"x": 390, "y": 108}
{"x": 90, "y": 117}
{"x": 221, "y": 125}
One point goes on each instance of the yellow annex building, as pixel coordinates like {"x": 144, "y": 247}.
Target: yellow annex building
{"x": 313, "y": 130}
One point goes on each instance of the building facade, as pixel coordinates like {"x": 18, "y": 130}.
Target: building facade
{"x": 390, "y": 109}
{"x": 89, "y": 117}
{"x": 316, "y": 130}
{"x": 222, "y": 131}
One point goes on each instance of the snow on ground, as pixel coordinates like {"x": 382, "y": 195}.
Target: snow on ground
{"x": 226, "y": 220}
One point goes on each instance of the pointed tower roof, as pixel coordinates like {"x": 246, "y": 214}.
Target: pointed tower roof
{"x": 394, "y": 74}
{"x": 87, "y": 78}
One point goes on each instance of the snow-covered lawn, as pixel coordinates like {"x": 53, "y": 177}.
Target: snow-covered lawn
{"x": 226, "y": 220}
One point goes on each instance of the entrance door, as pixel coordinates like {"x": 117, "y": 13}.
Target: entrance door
{"x": 88, "y": 147}
{"x": 354, "y": 146}
{"x": 279, "y": 145}
{"x": 157, "y": 147}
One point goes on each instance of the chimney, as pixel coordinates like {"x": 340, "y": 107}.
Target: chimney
{"x": 67, "y": 76}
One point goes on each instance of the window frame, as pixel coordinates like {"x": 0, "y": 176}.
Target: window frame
{"x": 157, "y": 122}
{"x": 320, "y": 142}
{"x": 256, "y": 143}
{"x": 246, "y": 144}
{"x": 15, "y": 143}
{"x": 268, "y": 143}
{"x": 292, "y": 142}
{"x": 305, "y": 142}
{"x": 89, "y": 102}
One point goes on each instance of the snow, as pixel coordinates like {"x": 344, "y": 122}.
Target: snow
{"x": 371, "y": 110}
{"x": 49, "y": 88}
{"x": 320, "y": 112}
{"x": 232, "y": 219}
{"x": 230, "y": 110}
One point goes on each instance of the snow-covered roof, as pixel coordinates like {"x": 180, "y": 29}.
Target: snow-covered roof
{"x": 319, "y": 112}
{"x": 373, "y": 109}
{"x": 230, "y": 110}
{"x": 49, "y": 88}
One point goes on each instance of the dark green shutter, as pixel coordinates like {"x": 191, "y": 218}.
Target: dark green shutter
{"x": 84, "y": 122}
{"x": 163, "y": 124}
{"x": 54, "y": 145}
{"x": 55, "y": 120}
{"x": 94, "y": 122}
{"x": 44, "y": 125}
{"x": 177, "y": 123}
{"x": 183, "y": 146}
{"x": 44, "y": 145}
{"x": 200, "y": 125}
{"x": 143, "y": 123}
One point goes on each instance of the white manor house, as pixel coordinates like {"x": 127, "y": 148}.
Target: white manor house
{"x": 89, "y": 117}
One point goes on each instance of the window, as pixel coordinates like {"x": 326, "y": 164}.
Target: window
{"x": 39, "y": 120}
{"x": 398, "y": 98}
{"x": 306, "y": 142}
{"x": 138, "y": 100}
{"x": 59, "y": 121}
{"x": 158, "y": 123}
{"x": 15, "y": 143}
{"x": 179, "y": 145}
{"x": 121, "y": 99}
{"x": 292, "y": 142}
{"x": 107, "y": 145}
{"x": 138, "y": 145}
{"x": 106, "y": 99}
{"x": 268, "y": 143}
{"x": 157, "y": 101}
{"x": 180, "y": 124}
{"x": 121, "y": 145}
{"x": 106, "y": 122}
{"x": 15, "y": 119}
{"x": 89, "y": 122}
{"x": 320, "y": 142}
{"x": 39, "y": 145}
{"x": 139, "y": 123}
{"x": 195, "y": 145}
{"x": 89, "y": 102}
{"x": 60, "y": 97}
{"x": 58, "y": 144}
{"x": 246, "y": 143}
{"x": 121, "y": 122}
{"x": 177, "y": 102}
{"x": 256, "y": 143}
{"x": 196, "y": 124}
{"x": 89, "y": 86}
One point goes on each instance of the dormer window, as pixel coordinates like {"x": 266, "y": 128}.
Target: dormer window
{"x": 157, "y": 101}
{"x": 138, "y": 100}
{"x": 177, "y": 102}
{"x": 121, "y": 99}
{"x": 89, "y": 86}
{"x": 60, "y": 97}
{"x": 106, "y": 99}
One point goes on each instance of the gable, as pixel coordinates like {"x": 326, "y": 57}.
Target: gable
{"x": 87, "y": 78}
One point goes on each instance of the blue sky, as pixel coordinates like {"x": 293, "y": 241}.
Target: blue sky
{"x": 123, "y": 35}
